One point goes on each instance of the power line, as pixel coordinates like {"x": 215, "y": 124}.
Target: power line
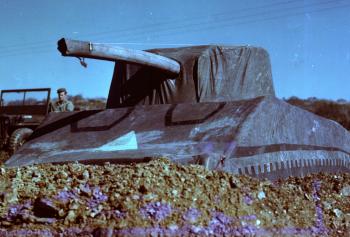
{"x": 126, "y": 30}
{"x": 145, "y": 28}
{"x": 227, "y": 17}
{"x": 188, "y": 19}
{"x": 252, "y": 18}
{"x": 224, "y": 25}
{"x": 201, "y": 23}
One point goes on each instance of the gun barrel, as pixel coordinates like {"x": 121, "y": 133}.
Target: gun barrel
{"x": 76, "y": 48}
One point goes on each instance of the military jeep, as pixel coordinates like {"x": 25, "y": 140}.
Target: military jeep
{"x": 21, "y": 111}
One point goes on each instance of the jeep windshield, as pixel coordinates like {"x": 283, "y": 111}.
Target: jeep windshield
{"x": 25, "y": 101}
{"x": 10, "y": 98}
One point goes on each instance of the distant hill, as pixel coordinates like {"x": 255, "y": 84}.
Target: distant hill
{"x": 338, "y": 111}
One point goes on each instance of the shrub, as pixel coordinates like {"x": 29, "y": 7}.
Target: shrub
{"x": 337, "y": 111}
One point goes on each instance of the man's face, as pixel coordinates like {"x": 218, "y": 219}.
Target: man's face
{"x": 61, "y": 96}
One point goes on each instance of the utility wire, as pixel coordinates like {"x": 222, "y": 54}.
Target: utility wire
{"x": 145, "y": 31}
{"x": 231, "y": 16}
{"x": 222, "y": 25}
{"x": 237, "y": 20}
{"x": 127, "y": 30}
{"x": 158, "y": 26}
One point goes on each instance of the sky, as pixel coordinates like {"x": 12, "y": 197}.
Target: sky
{"x": 308, "y": 41}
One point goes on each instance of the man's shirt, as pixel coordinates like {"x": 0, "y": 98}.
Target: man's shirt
{"x": 62, "y": 106}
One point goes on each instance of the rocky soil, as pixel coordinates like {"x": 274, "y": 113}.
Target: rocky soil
{"x": 161, "y": 198}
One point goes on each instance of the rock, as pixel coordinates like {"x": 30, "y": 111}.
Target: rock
{"x": 345, "y": 191}
{"x": 34, "y": 219}
{"x": 71, "y": 216}
{"x": 191, "y": 215}
{"x": 327, "y": 205}
{"x": 103, "y": 232}
{"x": 86, "y": 175}
{"x": 257, "y": 222}
{"x": 347, "y": 220}
{"x": 338, "y": 213}
{"x": 85, "y": 190}
{"x": 11, "y": 196}
{"x": 45, "y": 208}
{"x": 261, "y": 195}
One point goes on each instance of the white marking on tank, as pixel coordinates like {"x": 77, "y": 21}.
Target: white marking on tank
{"x": 125, "y": 142}
{"x": 258, "y": 76}
{"x": 315, "y": 126}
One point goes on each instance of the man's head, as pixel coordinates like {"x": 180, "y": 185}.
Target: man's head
{"x": 62, "y": 94}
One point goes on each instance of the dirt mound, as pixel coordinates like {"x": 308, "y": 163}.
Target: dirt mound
{"x": 162, "y": 198}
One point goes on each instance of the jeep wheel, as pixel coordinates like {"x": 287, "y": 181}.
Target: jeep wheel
{"x": 18, "y": 138}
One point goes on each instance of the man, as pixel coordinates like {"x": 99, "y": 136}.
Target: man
{"x": 62, "y": 104}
